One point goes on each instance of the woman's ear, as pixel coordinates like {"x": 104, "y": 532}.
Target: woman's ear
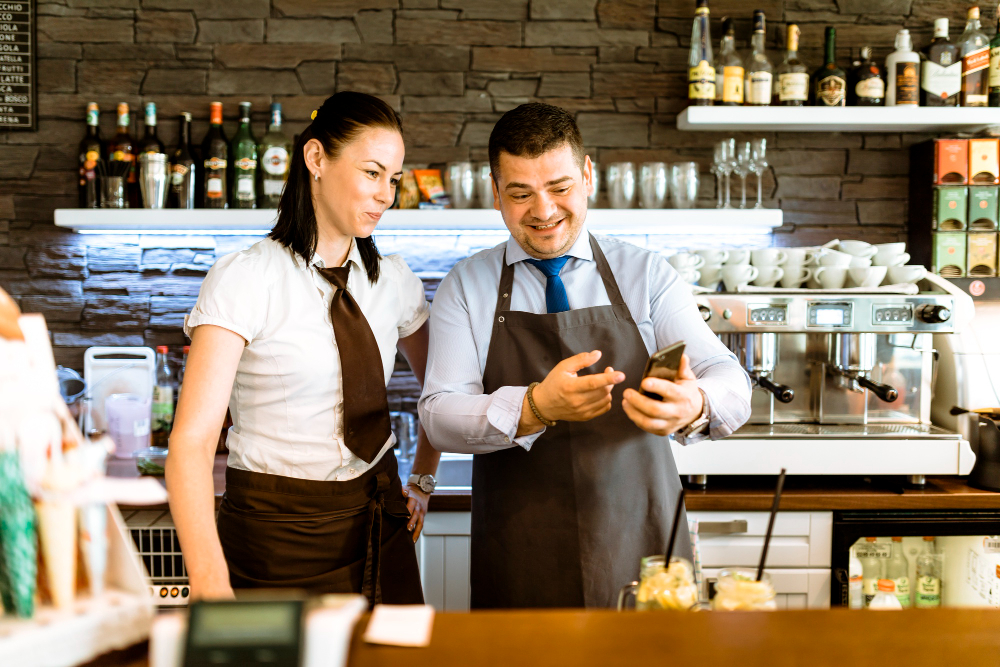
{"x": 313, "y": 153}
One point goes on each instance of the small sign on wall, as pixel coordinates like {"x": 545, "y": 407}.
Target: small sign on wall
{"x": 18, "y": 100}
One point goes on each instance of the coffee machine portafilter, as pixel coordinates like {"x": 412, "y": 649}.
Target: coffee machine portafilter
{"x": 852, "y": 357}
{"x": 758, "y": 352}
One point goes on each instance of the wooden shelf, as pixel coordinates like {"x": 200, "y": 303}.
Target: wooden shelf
{"x": 687, "y": 222}
{"x": 837, "y": 119}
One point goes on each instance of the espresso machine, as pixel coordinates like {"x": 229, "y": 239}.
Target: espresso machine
{"x": 842, "y": 384}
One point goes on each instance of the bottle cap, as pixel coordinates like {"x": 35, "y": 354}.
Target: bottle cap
{"x": 928, "y": 538}
{"x": 870, "y": 539}
{"x": 903, "y": 41}
{"x": 897, "y": 539}
{"x": 973, "y": 13}
{"x": 940, "y": 27}
{"x": 886, "y": 586}
{"x": 162, "y": 349}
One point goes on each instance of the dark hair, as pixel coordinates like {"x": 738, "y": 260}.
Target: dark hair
{"x": 532, "y": 129}
{"x": 337, "y": 123}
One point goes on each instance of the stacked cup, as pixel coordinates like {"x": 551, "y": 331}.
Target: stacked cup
{"x": 800, "y": 264}
{"x": 736, "y": 270}
{"x": 831, "y": 269}
{"x": 687, "y": 265}
{"x": 711, "y": 270}
{"x": 769, "y": 263}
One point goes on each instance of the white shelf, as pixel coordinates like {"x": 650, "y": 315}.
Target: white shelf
{"x": 687, "y": 222}
{"x": 837, "y": 119}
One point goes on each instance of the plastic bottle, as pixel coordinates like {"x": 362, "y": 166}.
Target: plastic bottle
{"x": 871, "y": 571}
{"x": 855, "y": 585}
{"x": 885, "y": 596}
{"x": 163, "y": 399}
{"x": 897, "y": 568}
{"x": 928, "y": 593}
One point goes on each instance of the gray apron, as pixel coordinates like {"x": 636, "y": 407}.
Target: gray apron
{"x": 565, "y": 524}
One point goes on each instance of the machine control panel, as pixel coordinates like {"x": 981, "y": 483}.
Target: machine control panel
{"x": 771, "y": 315}
{"x": 892, "y": 314}
{"x": 830, "y": 314}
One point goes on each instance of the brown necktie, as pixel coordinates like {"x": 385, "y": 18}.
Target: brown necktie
{"x": 366, "y": 408}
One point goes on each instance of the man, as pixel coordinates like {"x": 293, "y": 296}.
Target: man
{"x": 572, "y": 480}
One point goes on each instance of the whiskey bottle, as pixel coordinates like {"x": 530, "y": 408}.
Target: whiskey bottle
{"x": 274, "y": 153}
{"x": 244, "y": 156}
{"x": 728, "y": 69}
{"x": 215, "y": 159}
{"x": 829, "y": 84}
{"x": 701, "y": 73}
{"x": 757, "y": 80}
{"x": 792, "y": 74}
{"x": 122, "y": 149}
{"x": 866, "y": 87}
{"x": 183, "y": 169}
{"x": 994, "y": 78}
{"x": 974, "y": 47}
{"x": 902, "y": 67}
{"x": 940, "y": 70}
{"x": 90, "y": 152}
{"x": 150, "y": 143}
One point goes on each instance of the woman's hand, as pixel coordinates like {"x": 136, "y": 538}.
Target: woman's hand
{"x": 416, "y": 502}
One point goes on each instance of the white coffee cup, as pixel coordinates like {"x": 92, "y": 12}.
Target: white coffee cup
{"x": 768, "y": 276}
{"x": 895, "y": 248}
{"x": 889, "y": 259}
{"x": 690, "y": 276}
{"x": 834, "y": 258}
{"x": 908, "y": 273}
{"x": 768, "y": 257}
{"x": 737, "y": 257}
{"x": 711, "y": 276}
{"x": 860, "y": 262}
{"x": 738, "y": 275}
{"x": 713, "y": 256}
{"x": 831, "y": 277}
{"x": 799, "y": 256}
{"x": 857, "y": 248}
{"x": 686, "y": 260}
{"x": 796, "y": 275}
{"x": 869, "y": 276}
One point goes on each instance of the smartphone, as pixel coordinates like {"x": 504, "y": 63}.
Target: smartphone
{"x": 664, "y": 364}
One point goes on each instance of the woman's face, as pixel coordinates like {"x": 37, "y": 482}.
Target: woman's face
{"x": 356, "y": 188}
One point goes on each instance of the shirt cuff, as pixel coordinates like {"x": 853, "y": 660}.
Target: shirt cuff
{"x": 504, "y": 414}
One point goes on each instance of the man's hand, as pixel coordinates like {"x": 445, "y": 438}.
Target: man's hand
{"x": 416, "y": 502}
{"x": 565, "y": 396}
{"x": 682, "y": 402}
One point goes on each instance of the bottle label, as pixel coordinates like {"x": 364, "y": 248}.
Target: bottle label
{"x": 244, "y": 188}
{"x": 213, "y": 188}
{"x": 906, "y": 84}
{"x": 246, "y": 164}
{"x": 903, "y": 591}
{"x": 759, "y": 89}
{"x": 701, "y": 82}
{"x": 732, "y": 84}
{"x": 178, "y": 173}
{"x": 215, "y": 163}
{"x": 941, "y": 81}
{"x": 275, "y": 160}
{"x": 122, "y": 156}
{"x": 163, "y": 408}
{"x": 92, "y": 116}
{"x": 975, "y": 61}
{"x": 273, "y": 188}
{"x": 831, "y": 91}
{"x": 793, "y": 87}
{"x": 995, "y": 67}
{"x": 719, "y": 82}
{"x": 873, "y": 88}
{"x": 928, "y": 592}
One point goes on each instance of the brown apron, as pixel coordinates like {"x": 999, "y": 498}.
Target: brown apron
{"x": 565, "y": 524}
{"x": 321, "y": 536}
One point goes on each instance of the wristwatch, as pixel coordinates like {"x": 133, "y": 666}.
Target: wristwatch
{"x": 700, "y": 424}
{"x": 425, "y": 483}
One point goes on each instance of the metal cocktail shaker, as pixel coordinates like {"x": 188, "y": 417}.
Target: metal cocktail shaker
{"x": 154, "y": 179}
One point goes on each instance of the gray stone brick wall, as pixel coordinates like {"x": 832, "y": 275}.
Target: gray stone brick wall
{"x": 451, "y": 67}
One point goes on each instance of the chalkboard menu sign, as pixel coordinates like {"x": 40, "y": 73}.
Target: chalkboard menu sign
{"x": 18, "y": 102}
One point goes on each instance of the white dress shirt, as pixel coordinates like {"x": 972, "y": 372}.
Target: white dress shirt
{"x": 459, "y": 417}
{"x": 287, "y": 399}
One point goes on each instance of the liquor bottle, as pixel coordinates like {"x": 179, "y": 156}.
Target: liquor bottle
{"x": 215, "y": 159}
{"x": 728, "y": 68}
{"x": 163, "y": 399}
{"x": 855, "y": 583}
{"x": 829, "y": 83}
{"x": 928, "y": 593}
{"x": 897, "y": 568}
{"x": 274, "y": 152}
{"x": 183, "y": 168}
{"x": 994, "y": 78}
{"x": 90, "y": 153}
{"x": 871, "y": 569}
{"x": 701, "y": 74}
{"x": 150, "y": 142}
{"x": 792, "y": 74}
{"x": 941, "y": 70}
{"x": 757, "y": 80}
{"x": 244, "y": 156}
{"x": 866, "y": 87}
{"x": 974, "y": 47}
{"x": 122, "y": 149}
{"x": 902, "y": 68}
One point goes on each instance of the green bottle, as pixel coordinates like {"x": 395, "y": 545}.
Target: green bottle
{"x": 244, "y": 156}
{"x": 275, "y": 151}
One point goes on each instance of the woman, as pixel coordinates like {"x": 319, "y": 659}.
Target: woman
{"x": 297, "y": 335}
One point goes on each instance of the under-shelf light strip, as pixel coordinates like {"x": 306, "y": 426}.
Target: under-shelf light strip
{"x": 618, "y": 231}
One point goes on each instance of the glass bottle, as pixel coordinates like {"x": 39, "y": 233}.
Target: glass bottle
{"x": 163, "y": 399}
{"x": 867, "y": 87}
{"x": 274, "y": 152}
{"x": 89, "y": 154}
{"x": 871, "y": 569}
{"x": 974, "y": 47}
{"x": 215, "y": 158}
{"x": 758, "y": 78}
{"x": 829, "y": 84}
{"x": 792, "y": 74}
{"x": 183, "y": 170}
{"x": 728, "y": 68}
{"x": 122, "y": 149}
{"x": 701, "y": 73}
{"x": 897, "y": 568}
{"x": 150, "y": 143}
{"x": 902, "y": 68}
{"x": 928, "y": 593}
{"x": 855, "y": 583}
{"x": 994, "y": 77}
{"x": 244, "y": 156}
{"x": 940, "y": 70}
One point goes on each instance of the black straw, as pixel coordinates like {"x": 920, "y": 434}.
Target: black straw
{"x": 673, "y": 529}
{"x": 770, "y": 523}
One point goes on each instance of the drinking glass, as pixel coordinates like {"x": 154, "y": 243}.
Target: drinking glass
{"x": 661, "y": 587}
{"x": 684, "y": 184}
{"x": 728, "y": 166}
{"x": 459, "y": 184}
{"x": 592, "y": 199}
{"x": 758, "y": 156}
{"x": 738, "y": 590}
{"x": 621, "y": 184}
{"x": 743, "y": 168}
{"x": 113, "y": 192}
{"x": 484, "y": 184}
{"x": 653, "y": 185}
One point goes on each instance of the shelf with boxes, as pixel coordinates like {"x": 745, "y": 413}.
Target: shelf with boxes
{"x": 837, "y": 119}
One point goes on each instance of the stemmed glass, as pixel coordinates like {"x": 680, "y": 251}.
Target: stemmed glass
{"x": 726, "y": 155}
{"x": 758, "y": 150}
{"x": 718, "y": 170}
{"x": 744, "y": 165}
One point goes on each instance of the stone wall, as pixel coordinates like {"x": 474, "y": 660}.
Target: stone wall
{"x": 452, "y": 67}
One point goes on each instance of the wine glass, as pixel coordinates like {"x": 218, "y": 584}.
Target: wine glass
{"x": 758, "y": 148}
{"x": 729, "y": 166}
{"x": 743, "y": 168}
{"x": 718, "y": 170}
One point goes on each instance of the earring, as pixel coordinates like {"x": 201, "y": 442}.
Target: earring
{"x": 315, "y": 177}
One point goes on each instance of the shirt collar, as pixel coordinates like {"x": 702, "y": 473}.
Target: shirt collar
{"x": 580, "y": 249}
{"x": 353, "y": 255}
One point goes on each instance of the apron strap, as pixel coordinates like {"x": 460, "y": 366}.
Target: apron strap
{"x": 610, "y": 284}
{"x": 371, "y": 586}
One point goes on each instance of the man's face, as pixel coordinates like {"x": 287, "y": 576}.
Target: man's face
{"x": 543, "y": 199}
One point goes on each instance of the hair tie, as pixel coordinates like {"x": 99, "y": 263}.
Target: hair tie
{"x": 313, "y": 115}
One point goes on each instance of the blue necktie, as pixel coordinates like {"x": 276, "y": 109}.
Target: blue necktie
{"x": 555, "y": 291}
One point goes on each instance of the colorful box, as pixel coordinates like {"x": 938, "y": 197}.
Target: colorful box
{"x": 984, "y": 206}
{"x": 982, "y": 260}
{"x": 951, "y": 161}
{"x": 951, "y": 208}
{"x": 984, "y": 161}
{"x": 949, "y": 254}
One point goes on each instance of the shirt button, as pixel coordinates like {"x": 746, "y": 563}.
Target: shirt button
{"x": 351, "y": 470}
{"x": 506, "y": 439}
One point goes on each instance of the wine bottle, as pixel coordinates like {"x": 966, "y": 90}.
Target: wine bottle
{"x": 90, "y": 152}
{"x": 122, "y": 149}
{"x": 940, "y": 70}
{"x": 757, "y": 80}
{"x": 701, "y": 73}
{"x": 902, "y": 67}
{"x": 150, "y": 143}
{"x": 994, "y": 78}
{"x": 792, "y": 74}
{"x": 183, "y": 169}
{"x": 215, "y": 159}
{"x": 829, "y": 84}
{"x": 867, "y": 87}
{"x": 974, "y": 47}
{"x": 244, "y": 156}
{"x": 274, "y": 152}
{"x": 728, "y": 68}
